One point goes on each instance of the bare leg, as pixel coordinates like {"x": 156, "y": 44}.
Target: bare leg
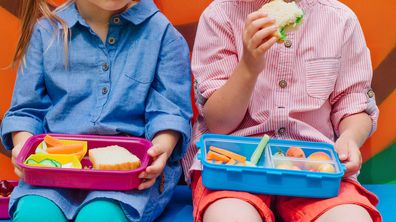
{"x": 346, "y": 213}
{"x": 231, "y": 210}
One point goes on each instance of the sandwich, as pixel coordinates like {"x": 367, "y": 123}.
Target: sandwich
{"x": 287, "y": 16}
{"x": 113, "y": 158}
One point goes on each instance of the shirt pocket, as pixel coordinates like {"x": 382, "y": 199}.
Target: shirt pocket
{"x": 321, "y": 76}
{"x": 141, "y": 62}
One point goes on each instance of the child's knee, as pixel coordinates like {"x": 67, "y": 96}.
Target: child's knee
{"x": 231, "y": 209}
{"x": 346, "y": 213}
{"x": 101, "y": 210}
{"x": 32, "y": 208}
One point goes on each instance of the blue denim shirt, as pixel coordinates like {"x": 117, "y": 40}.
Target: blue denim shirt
{"x": 136, "y": 83}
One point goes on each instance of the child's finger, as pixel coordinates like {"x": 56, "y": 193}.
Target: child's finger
{"x": 266, "y": 45}
{"x": 154, "y": 151}
{"x": 16, "y": 150}
{"x": 342, "y": 150}
{"x": 354, "y": 163}
{"x": 146, "y": 184}
{"x": 261, "y": 35}
{"x": 158, "y": 165}
{"x": 155, "y": 168}
{"x": 17, "y": 168}
{"x": 253, "y": 16}
{"x": 18, "y": 172}
{"x": 257, "y": 25}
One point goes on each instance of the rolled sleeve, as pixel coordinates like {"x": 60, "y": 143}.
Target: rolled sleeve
{"x": 30, "y": 101}
{"x": 18, "y": 123}
{"x": 168, "y": 106}
{"x": 171, "y": 122}
{"x": 214, "y": 55}
{"x": 353, "y": 93}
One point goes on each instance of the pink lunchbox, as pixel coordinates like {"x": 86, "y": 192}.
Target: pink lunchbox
{"x": 86, "y": 178}
{"x": 4, "y": 201}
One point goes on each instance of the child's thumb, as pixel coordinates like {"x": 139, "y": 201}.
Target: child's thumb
{"x": 154, "y": 151}
{"x": 342, "y": 153}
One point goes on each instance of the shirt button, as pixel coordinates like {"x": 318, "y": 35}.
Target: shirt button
{"x": 112, "y": 40}
{"x": 105, "y": 90}
{"x": 105, "y": 67}
{"x": 282, "y": 84}
{"x": 370, "y": 93}
{"x": 116, "y": 20}
{"x": 288, "y": 43}
{"x": 282, "y": 130}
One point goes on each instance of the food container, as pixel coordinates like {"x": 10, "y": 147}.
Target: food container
{"x": 4, "y": 201}
{"x": 86, "y": 178}
{"x": 269, "y": 176}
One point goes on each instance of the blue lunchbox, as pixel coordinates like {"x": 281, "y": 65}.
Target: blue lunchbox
{"x": 306, "y": 177}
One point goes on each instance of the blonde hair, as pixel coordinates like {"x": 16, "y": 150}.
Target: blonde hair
{"x": 31, "y": 11}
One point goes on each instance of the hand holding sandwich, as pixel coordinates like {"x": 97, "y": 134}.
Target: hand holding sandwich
{"x": 257, "y": 39}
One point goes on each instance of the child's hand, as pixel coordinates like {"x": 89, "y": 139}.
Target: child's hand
{"x": 163, "y": 144}
{"x": 160, "y": 156}
{"x": 15, "y": 152}
{"x": 349, "y": 154}
{"x": 18, "y": 138}
{"x": 257, "y": 39}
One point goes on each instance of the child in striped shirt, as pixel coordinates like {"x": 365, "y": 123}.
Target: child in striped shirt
{"x": 314, "y": 87}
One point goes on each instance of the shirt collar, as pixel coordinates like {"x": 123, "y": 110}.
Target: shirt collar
{"x": 143, "y": 10}
{"x": 69, "y": 14}
{"x": 140, "y": 12}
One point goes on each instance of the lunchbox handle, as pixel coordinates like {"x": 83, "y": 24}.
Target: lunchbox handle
{"x": 314, "y": 176}
{"x": 343, "y": 168}
{"x": 234, "y": 169}
{"x": 199, "y": 144}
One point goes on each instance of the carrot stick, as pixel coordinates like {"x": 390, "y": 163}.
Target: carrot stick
{"x": 65, "y": 149}
{"x": 52, "y": 141}
{"x": 216, "y": 156}
{"x": 231, "y": 162}
{"x": 229, "y": 154}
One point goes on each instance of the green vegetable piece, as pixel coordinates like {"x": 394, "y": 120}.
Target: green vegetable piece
{"x": 31, "y": 161}
{"x": 259, "y": 150}
{"x": 299, "y": 19}
{"x": 57, "y": 164}
{"x": 282, "y": 34}
{"x": 50, "y": 163}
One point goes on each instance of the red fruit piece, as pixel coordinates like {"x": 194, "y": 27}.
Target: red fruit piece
{"x": 295, "y": 152}
{"x": 5, "y": 188}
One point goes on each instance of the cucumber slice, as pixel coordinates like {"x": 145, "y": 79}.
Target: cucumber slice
{"x": 50, "y": 163}
{"x": 259, "y": 150}
{"x": 57, "y": 164}
{"x": 30, "y": 161}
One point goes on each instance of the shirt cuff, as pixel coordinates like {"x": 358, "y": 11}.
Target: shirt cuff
{"x": 171, "y": 122}
{"x": 356, "y": 103}
{"x": 12, "y": 124}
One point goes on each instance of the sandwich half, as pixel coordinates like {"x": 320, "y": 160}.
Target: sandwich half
{"x": 287, "y": 16}
{"x": 113, "y": 158}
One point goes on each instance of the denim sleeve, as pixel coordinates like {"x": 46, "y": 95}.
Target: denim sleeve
{"x": 168, "y": 106}
{"x": 30, "y": 101}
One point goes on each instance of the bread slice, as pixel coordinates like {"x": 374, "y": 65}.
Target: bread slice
{"x": 287, "y": 16}
{"x": 113, "y": 158}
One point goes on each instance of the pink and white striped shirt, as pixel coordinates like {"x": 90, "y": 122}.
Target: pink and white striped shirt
{"x": 320, "y": 75}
